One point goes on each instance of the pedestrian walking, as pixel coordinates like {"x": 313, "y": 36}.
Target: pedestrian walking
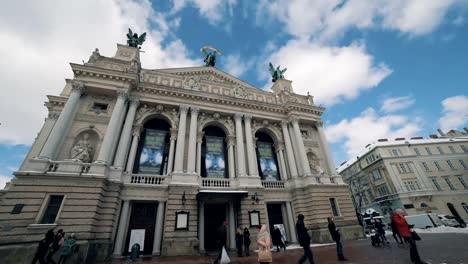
{"x": 396, "y": 234}
{"x": 379, "y": 226}
{"x": 405, "y": 232}
{"x": 264, "y": 245}
{"x": 69, "y": 247}
{"x": 43, "y": 247}
{"x": 56, "y": 245}
{"x": 277, "y": 239}
{"x": 304, "y": 240}
{"x": 336, "y": 236}
{"x": 247, "y": 241}
{"x": 239, "y": 241}
{"x": 222, "y": 235}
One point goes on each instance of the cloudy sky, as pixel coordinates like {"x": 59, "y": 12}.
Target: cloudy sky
{"x": 382, "y": 68}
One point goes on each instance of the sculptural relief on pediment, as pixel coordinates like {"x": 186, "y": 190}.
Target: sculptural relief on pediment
{"x": 191, "y": 83}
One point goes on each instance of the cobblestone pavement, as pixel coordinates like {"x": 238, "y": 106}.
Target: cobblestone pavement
{"x": 434, "y": 249}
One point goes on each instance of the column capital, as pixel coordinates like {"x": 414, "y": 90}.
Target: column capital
{"x": 137, "y": 130}
{"x": 134, "y": 101}
{"x": 174, "y": 132}
{"x": 78, "y": 87}
{"x": 294, "y": 119}
{"x": 200, "y": 136}
{"x": 53, "y": 115}
{"x": 238, "y": 116}
{"x": 284, "y": 124}
{"x": 183, "y": 108}
{"x": 122, "y": 94}
{"x": 279, "y": 146}
{"x": 247, "y": 118}
{"x": 194, "y": 109}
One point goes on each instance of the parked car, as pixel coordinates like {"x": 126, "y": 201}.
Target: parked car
{"x": 423, "y": 220}
{"x": 449, "y": 220}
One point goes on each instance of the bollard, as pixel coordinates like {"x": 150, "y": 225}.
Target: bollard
{"x": 135, "y": 253}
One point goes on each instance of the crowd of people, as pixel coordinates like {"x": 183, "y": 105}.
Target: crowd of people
{"x": 52, "y": 243}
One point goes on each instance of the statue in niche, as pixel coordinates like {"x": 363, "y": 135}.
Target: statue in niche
{"x": 315, "y": 164}
{"x": 83, "y": 149}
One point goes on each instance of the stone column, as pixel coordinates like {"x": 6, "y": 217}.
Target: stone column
{"x": 289, "y": 150}
{"x": 133, "y": 149}
{"x": 230, "y": 143}
{"x": 301, "y": 147}
{"x": 170, "y": 162}
{"x": 192, "y": 146}
{"x": 112, "y": 128}
{"x": 328, "y": 157}
{"x": 158, "y": 230}
{"x": 232, "y": 226}
{"x": 279, "y": 154}
{"x": 60, "y": 129}
{"x": 179, "y": 155}
{"x": 201, "y": 226}
{"x": 297, "y": 159}
{"x": 113, "y": 151}
{"x": 199, "y": 147}
{"x": 122, "y": 150}
{"x": 120, "y": 239}
{"x": 240, "y": 146}
{"x": 291, "y": 224}
{"x": 251, "y": 157}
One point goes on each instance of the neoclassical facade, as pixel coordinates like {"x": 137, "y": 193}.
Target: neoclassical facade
{"x": 163, "y": 157}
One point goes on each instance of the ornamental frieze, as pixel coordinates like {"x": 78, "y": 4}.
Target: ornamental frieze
{"x": 145, "y": 110}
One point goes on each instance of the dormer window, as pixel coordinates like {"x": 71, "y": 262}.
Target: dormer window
{"x": 100, "y": 107}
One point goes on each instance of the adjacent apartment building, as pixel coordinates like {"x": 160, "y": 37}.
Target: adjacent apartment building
{"x": 162, "y": 157}
{"x": 416, "y": 174}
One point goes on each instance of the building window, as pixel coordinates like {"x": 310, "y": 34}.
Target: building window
{"x": 436, "y": 184}
{"x": 428, "y": 151}
{"x": 465, "y": 206}
{"x": 404, "y": 168}
{"x": 464, "y": 149}
{"x": 425, "y": 166}
{"x": 416, "y": 150}
{"x": 52, "y": 209}
{"x": 438, "y": 165}
{"x": 440, "y": 150}
{"x": 382, "y": 190}
{"x": 376, "y": 175}
{"x": 411, "y": 186}
{"x": 449, "y": 183}
{"x": 450, "y": 165}
{"x": 371, "y": 195}
{"x": 463, "y": 164}
{"x": 452, "y": 149}
{"x": 334, "y": 207}
{"x": 408, "y": 206}
{"x": 462, "y": 181}
{"x": 424, "y": 205}
{"x": 100, "y": 107}
{"x": 396, "y": 152}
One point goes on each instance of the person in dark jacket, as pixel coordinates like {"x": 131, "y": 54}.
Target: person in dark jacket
{"x": 405, "y": 232}
{"x": 277, "y": 241}
{"x": 43, "y": 247}
{"x": 56, "y": 245}
{"x": 222, "y": 236}
{"x": 335, "y": 234}
{"x": 395, "y": 232}
{"x": 379, "y": 226}
{"x": 304, "y": 240}
{"x": 239, "y": 241}
{"x": 247, "y": 241}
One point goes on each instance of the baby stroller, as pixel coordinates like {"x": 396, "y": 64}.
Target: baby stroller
{"x": 376, "y": 241}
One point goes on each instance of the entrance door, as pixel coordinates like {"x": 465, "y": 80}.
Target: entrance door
{"x": 143, "y": 217}
{"x": 275, "y": 216}
{"x": 215, "y": 215}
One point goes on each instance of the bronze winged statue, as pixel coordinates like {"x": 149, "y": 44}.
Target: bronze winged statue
{"x": 210, "y": 56}
{"x": 276, "y": 74}
{"x": 133, "y": 40}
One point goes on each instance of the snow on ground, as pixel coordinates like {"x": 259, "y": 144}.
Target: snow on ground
{"x": 443, "y": 229}
{"x": 296, "y": 246}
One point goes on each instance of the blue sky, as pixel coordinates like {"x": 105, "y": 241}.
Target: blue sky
{"x": 383, "y": 69}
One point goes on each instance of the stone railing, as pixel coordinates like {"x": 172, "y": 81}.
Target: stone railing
{"x": 273, "y": 184}
{"x": 68, "y": 166}
{"x": 215, "y": 182}
{"x": 142, "y": 179}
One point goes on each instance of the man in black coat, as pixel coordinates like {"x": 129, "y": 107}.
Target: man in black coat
{"x": 277, "y": 241}
{"x": 335, "y": 234}
{"x": 222, "y": 236}
{"x": 304, "y": 240}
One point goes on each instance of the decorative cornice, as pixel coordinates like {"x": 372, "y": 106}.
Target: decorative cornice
{"x": 247, "y": 118}
{"x": 53, "y": 115}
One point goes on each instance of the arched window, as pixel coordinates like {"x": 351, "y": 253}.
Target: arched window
{"x": 424, "y": 205}
{"x": 153, "y": 148}
{"x": 266, "y": 157}
{"x": 214, "y": 162}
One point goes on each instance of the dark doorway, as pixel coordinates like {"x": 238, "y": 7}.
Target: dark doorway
{"x": 143, "y": 217}
{"x": 275, "y": 217}
{"x": 215, "y": 215}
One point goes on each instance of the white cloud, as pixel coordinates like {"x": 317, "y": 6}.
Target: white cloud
{"x": 41, "y": 38}
{"x": 454, "y": 112}
{"x": 330, "y": 74}
{"x": 214, "y": 11}
{"x": 355, "y": 133}
{"x": 235, "y": 65}
{"x": 3, "y": 180}
{"x": 394, "y": 104}
{"x": 329, "y": 19}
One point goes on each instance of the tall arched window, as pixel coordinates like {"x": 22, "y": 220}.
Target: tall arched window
{"x": 266, "y": 157}
{"x": 214, "y": 162}
{"x": 153, "y": 148}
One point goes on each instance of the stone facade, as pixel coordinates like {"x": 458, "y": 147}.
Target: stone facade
{"x": 83, "y": 173}
{"x": 412, "y": 174}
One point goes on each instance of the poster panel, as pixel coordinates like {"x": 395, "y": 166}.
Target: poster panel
{"x": 214, "y": 157}
{"x": 152, "y": 153}
{"x": 267, "y": 161}
{"x": 137, "y": 236}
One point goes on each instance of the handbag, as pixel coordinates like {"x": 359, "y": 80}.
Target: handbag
{"x": 264, "y": 255}
{"x": 415, "y": 236}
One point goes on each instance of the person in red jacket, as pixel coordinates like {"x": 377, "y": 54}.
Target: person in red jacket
{"x": 404, "y": 230}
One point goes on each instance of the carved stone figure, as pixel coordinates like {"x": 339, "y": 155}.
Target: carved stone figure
{"x": 315, "y": 164}
{"x": 95, "y": 56}
{"x": 276, "y": 74}
{"x": 83, "y": 150}
{"x": 135, "y": 41}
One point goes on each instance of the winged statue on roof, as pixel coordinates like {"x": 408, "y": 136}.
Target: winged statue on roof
{"x": 135, "y": 41}
{"x": 277, "y": 73}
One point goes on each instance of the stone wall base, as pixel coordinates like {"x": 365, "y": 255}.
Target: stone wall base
{"x": 180, "y": 246}
{"x": 322, "y": 235}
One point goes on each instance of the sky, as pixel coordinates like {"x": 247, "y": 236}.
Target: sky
{"x": 381, "y": 68}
